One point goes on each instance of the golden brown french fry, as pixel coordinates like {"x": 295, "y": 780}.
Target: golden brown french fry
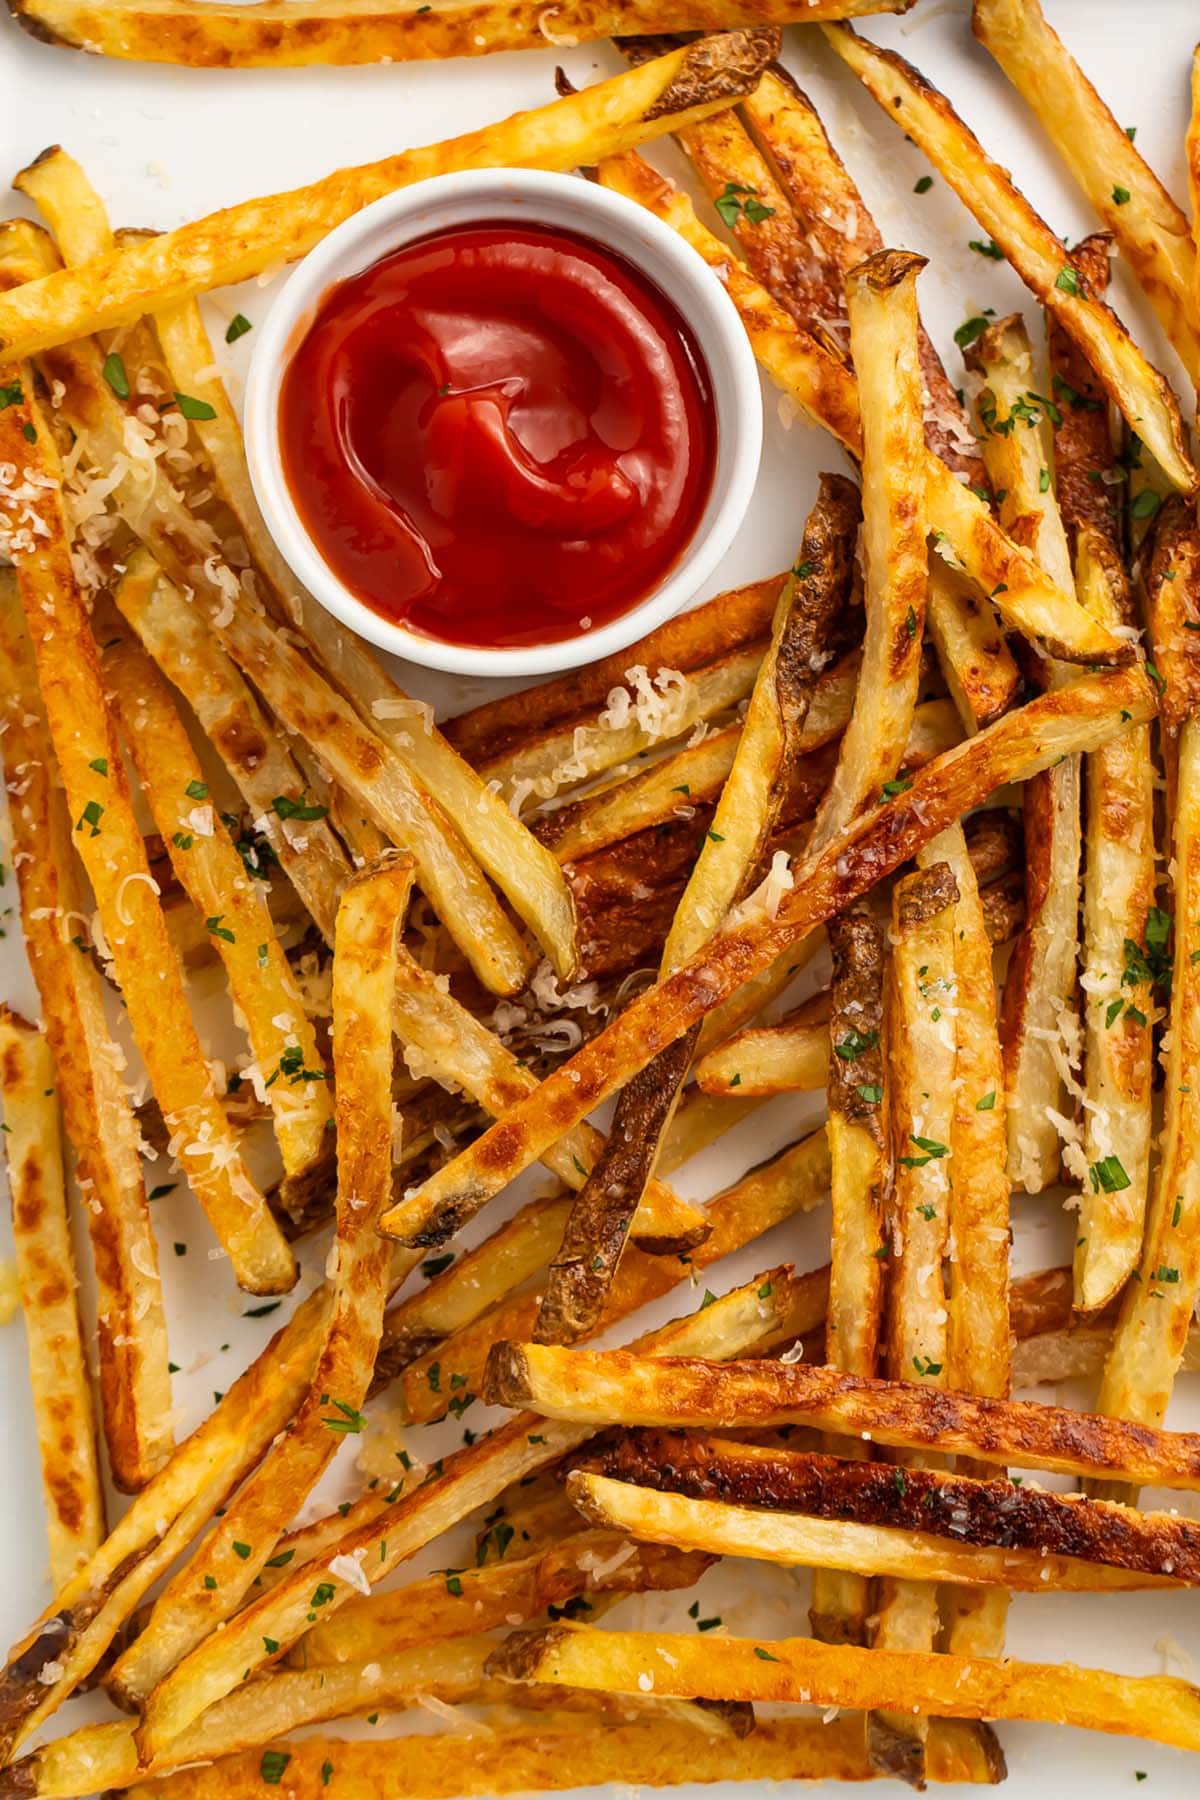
{"x": 1091, "y": 1542}
{"x": 191, "y": 658}
{"x": 1018, "y": 745}
{"x": 1156, "y": 1706}
{"x": 65, "y": 1644}
{"x": 839, "y": 233}
{"x": 564, "y": 1752}
{"x": 1135, "y": 206}
{"x": 802, "y": 1539}
{"x": 111, "y": 848}
{"x": 134, "y": 1382}
{"x": 772, "y": 1059}
{"x": 471, "y": 1477}
{"x": 1119, "y": 873}
{"x": 209, "y": 1589}
{"x": 1192, "y": 153}
{"x": 58, "y": 1375}
{"x": 826, "y": 392}
{"x": 794, "y": 1182}
{"x": 730, "y": 861}
{"x": 242, "y": 241}
{"x": 881, "y": 299}
{"x": 296, "y": 34}
{"x": 596, "y": 1387}
{"x": 1039, "y": 990}
{"x": 1077, "y": 1353}
{"x": 235, "y": 915}
{"x": 1140, "y": 392}
{"x": 525, "y": 872}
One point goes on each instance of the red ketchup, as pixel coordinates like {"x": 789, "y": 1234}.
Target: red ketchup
{"x": 499, "y": 435}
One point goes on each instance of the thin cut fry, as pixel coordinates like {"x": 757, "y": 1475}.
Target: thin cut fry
{"x": 1016, "y": 746}
{"x": 243, "y": 241}
{"x": 110, "y": 845}
{"x": 261, "y": 984}
{"x": 792, "y": 1669}
{"x": 1134, "y": 205}
{"x": 596, "y": 1387}
{"x": 207, "y": 1591}
{"x": 58, "y": 1376}
{"x": 790, "y": 1057}
{"x": 134, "y": 1381}
{"x": 827, "y": 392}
{"x": 1138, "y": 389}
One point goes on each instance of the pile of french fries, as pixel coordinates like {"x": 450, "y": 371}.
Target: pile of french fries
{"x": 958, "y": 739}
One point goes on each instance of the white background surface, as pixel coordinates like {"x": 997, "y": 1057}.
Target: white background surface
{"x": 166, "y": 144}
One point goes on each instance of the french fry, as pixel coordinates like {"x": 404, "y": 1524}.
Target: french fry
{"x": 58, "y": 1376}
{"x": 923, "y": 1046}
{"x": 68, "y": 1640}
{"x": 1040, "y": 986}
{"x": 242, "y": 241}
{"x": 134, "y": 1382}
{"x": 608, "y": 1387}
{"x": 213, "y": 34}
{"x": 735, "y": 619}
{"x": 544, "y": 1757}
{"x": 111, "y": 848}
{"x": 882, "y": 307}
{"x": 261, "y": 984}
{"x": 826, "y": 392}
{"x": 1016, "y": 746}
{"x": 730, "y": 861}
{"x": 1173, "y": 596}
{"x": 798, "y": 1538}
{"x": 246, "y": 741}
{"x": 859, "y": 1169}
{"x": 790, "y": 1057}
{"x": 485, "y": 1599}
{"x": 1156, "y": 1706}
{"x": 208, "y": 1590}
{"x": 1090, "y": 1541}
{"x": 1077, "y": 1353}
{"x": 1134, "y": 205}
{"x": 1119, "y": 873}
{"x": 1135, "y": 387}
{"x": 840, "y": 233}
{"x": 525, "y": 872}
{"x": 794, "y": 1182}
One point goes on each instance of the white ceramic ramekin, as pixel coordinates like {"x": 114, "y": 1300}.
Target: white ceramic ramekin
{"x": 568, "y": 202}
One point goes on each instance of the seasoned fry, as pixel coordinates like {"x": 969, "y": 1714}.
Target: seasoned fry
{"x": 1039, "y": 991}
{"x": 1140, "y": 392}
{"x": 882, "y": 306}
{"x": 58, "y": 1376}
{"x": 134, "y": 1382}
{"x": 110, "y": 845}
{"x": 296, "y": 34}
{"x": 1119, "y": 876}
{"x": 1154, "y": 1706}
{"x": 827, "y": 392}
{"x": 210, "y": 870}
{"x": 794, "y": 1182}
{"x": 729, "y": 862}
{"x": 1093, "y": 1542}
{"x": 470, "y": 1478}
{"x": 773, "y": 1059}
{"x": 620, "y": 1387}
{"x": 1134, "y": 205}
{"x": 244, "y": 240}
{"x": 1016, "y": 746}
{"x": 207, "y": 1591}
{"x": 514, "y": 1759}
{"x": 800, "y": 1538}
{"x": 193, "y": 661}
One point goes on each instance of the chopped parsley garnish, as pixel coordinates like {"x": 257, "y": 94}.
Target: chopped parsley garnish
{"x": 990, "y": 248}
{"x": 237, "y": 327}
{"x": 215, "y": 928}
{"x": 1146, "y": 504}
{"x": 1108, "y": 1175}
{"x": 191, "y": 408}
{"x": 272, "y": 1766}
{"x": 91, "y": 815}
{"x": 925, "y": 1366}
{"x": 114, "y": 374}
{"x": 969, "y": 330}
{"x": 987, "y": 1102}
{"x": 1121, "y": 196}
{"x": 349, "y": 1419}
{"x": 1068, "y": 280}
{"x": 856, "y": 1044}
{"x": 731, "y": 205}
{"x": 284, "y": 808}
{"x": 923, "y": 185}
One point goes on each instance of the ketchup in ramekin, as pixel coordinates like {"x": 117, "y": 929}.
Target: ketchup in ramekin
{"x": 499, "y": 435}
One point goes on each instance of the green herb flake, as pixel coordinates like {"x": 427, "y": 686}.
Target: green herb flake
{"x": 272, "y": 1766}
{"x": 114, "y": 374}
{"x": 191, "y": 408}
{"x": 1067, "y": 280}
{"x": 1108, "y": 1175}
{"x": 237, "y": 327}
